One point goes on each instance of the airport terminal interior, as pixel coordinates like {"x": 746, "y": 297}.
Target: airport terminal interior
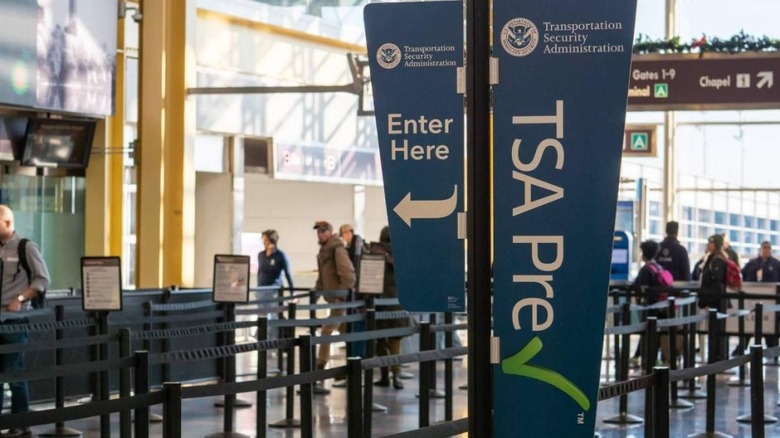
{"x": 150, "y": 144}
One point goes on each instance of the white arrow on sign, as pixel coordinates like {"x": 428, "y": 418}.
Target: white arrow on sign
{"x": 408, "y": 209}
{"x": 765, "y": 78}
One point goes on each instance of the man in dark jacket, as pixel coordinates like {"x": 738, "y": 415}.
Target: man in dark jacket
{"x": 764, "y": 269}
{"x": 672, "y": 256}
{"x": 355, "y": 244}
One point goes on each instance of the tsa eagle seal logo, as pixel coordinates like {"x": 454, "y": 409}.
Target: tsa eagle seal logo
{"x": 388, "y": 55}
{"x": 519, "y": 37}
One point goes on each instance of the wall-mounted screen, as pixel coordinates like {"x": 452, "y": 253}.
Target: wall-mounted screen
{"x": 58, "y": 143}
{"x": 58, "y": 55}
{"x": 12, "y": 134}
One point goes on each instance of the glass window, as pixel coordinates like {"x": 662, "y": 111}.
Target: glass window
{"x": 761, "y": 224}
{"x": 750, "y": 222}
{"x": 775, "y": 239}
{"x": 774, "y": 225}
{"x": 735, "y": 220}
{"x": 655, "y": 227}
{"x": 654, "y": 209}
{"x": 734, "y": 236}
{"x": 705, "y": 215}
{"x": 704, "y": 232}
{"x": 749, "y": 237}
{"x": 720, "y": 217}
{"x": 688, "y": 213}
{"x": 720, "y": 230}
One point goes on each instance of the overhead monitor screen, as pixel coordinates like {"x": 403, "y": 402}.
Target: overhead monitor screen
{"x": 58, "y": 143}
{"x": 12, "y": 132}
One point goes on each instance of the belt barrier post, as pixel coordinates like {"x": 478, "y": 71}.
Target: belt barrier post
{"x": 758, "y": 330}
{"x": 307, "y": 429}
{"x": 105, "y": 389}
{"x": 165, "y": 344}
{"x": 280, "y": 332}
{"x": 354, "y": 398}
{"x": 59, "y": 431}
{"x": 773, "y": 361}
{"x": 289, "y": 411}
{"x": 448, "y": 370}
{"x": 172, "y": 410}
{"x": 141, "y": 387}
{"x": 712, "y": 356}
{"x": 368, "y": 374}
{"x": 435, "y": 393}
{"x": 147, "y": 345}
{"x": 623, "y": 417}
{"x": 676, "y": 402}
{"x": 741, "y": 345}
{"x": 262, "y": 373}
{"x": 692, "y": 392}
{"x": 661, "y": 403}
{"x": 125, "y": 421}
{"x": 757, "y": 391}
{"x": 312, "y": 312}
{"x": 425, "y": 393}
{"x": 651, "y": 354}
{"x": 351, "y": 311}
{"x": 616, "y": 339}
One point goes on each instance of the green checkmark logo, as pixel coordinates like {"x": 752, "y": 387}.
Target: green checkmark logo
{"x": 517, "y": 365}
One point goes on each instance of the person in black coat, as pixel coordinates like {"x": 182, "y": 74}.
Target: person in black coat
{"x": 672, "y": 256}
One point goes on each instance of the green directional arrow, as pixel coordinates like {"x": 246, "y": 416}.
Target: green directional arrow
{"x": 517, "y": 365}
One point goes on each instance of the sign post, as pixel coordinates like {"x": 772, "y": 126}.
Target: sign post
{"x": 559, "y": 110}
{"x": 419, "y": 113}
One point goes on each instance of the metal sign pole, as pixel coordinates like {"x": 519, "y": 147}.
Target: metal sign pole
{"x": 480, "y": 399}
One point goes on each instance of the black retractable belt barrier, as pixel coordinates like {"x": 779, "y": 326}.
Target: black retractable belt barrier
{"x": 712, "y": 356}
{"x": 229, "y": 367}
{"x": 368, "y": 374}
{"x": 435, "y": 393}
{"x": 142, "y": 387}
{"x": 676, "y": 402}
{"x": 148, "y": 346}
{"x": 616, "y": 339}
{"x": 448, "y": 370}
{"x": 289, "y": 411}
{"x": 740, "y": 381}
{"x": 623, "y": 417}
{"x": 689, "y": 330}
{"x": 165, "y": 343}
{"x": 59, "y": 431}
{"x": 651, "y": 355}
{"x": 425, "y": 393}
{"x": 354, "y": 398}
{"x": 261, "y": 413}
{"x": 105, "y": 389}
{"x": 660, "y": 403}
{"x": 757, "y": 391}
{"x": 307, "y": 428}
{"x": 172, "y": 410}
{"x": 125, "y": 348}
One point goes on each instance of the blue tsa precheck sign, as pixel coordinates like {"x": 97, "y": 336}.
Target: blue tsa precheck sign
{"x": 559, "y": 111}
{"x": 415, "y": 51}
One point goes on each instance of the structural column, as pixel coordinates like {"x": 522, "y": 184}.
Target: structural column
{"x": 166, "y": 178}
{"x": 104, "y": 177}
{"x": 670, "y": 128}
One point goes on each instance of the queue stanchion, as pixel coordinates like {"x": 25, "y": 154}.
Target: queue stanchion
{"x": 147, "y": 346}
{"x": 623, "y": 417}
{"x": 425, "y": 402}
{"x": 125, "y": 348}
{"x": 165, "y": 343}
{"x": 289, "y": 419}
{"x": 692, "y": 393}
{"x": 172, "y": 410}
{"x": 651, "y": 354}
{"x": 448, "y": 370}
{"x": 773, "y": 361}
{"x": 616, "y": 338}
{"x": 354, "y": 398}
{"x": 435, "y": 393}
{"x": 141, "y": 386}
{"x": 740, "y": 381}
{"x": 307, "y": 428}
{"x": 229, "y": 367}
{"x": 757, "y": 418}
{"x": 105, "y": 389}
{"x": 713, "y": 353}
{"x": 261, "y": 413}
{"x": 660, "y": 403}
{"x": 676, "y": 402}
{"x": 368, "y": 375}
{"x": 59, "y": 431}
{"x": 280, "y": 332}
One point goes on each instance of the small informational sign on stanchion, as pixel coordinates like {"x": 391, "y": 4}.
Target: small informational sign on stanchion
{"x": 231, "y": 279}
{"x": 101, "y": 284}
{"x": 372, "y": 274}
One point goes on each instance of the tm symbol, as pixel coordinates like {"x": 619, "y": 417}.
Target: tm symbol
{"x": 581, "y": 418}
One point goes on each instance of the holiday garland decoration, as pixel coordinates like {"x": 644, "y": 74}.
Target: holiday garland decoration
{"x": 739, "y": 43}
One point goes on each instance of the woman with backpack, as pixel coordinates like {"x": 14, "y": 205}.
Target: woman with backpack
{"x": 652, "y": 275}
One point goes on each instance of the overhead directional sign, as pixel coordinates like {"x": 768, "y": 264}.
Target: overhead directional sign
{"x": 415, "y": 50}
{"x": 691, "y": 82}
{"x": 639, "y": 141}
{"x": 558, "y": 114}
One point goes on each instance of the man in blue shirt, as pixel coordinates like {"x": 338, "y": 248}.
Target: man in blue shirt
{"x": 764, "y": 268}
{"x": 272, "y": 262}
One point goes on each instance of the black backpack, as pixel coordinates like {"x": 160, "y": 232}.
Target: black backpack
{"x": 39, "y": 302}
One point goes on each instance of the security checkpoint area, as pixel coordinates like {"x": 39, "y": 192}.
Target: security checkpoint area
{"x": 537, "y": 219}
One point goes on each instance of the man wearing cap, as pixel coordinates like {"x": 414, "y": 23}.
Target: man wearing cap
{"x": 335, "y": 272}
{"x": 672, "y": 256}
